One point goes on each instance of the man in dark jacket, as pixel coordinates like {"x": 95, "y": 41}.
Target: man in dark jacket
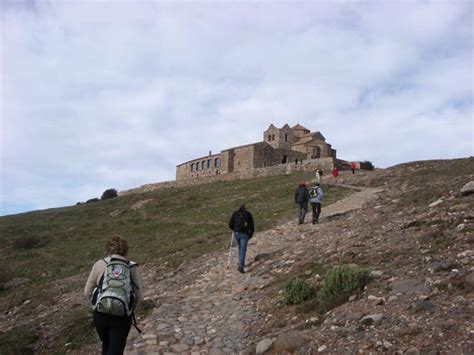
{"x": 301, "y": 199}
{"x": 242, "y": 224}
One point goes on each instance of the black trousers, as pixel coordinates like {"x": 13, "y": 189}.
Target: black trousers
{"x": 316, "y": 211}
{"x": 113, "y": 332}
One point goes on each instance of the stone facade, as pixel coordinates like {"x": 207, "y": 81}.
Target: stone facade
{"x": 326, "y": 164}
{"x": 280, "y": 146}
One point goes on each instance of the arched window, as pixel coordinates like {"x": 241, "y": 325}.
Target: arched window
{"x": 209, "y": 162}
{"x": 269, "y": 137}
{"x": 202, "y": 164}
{"x": 197, "y": 166}
{"x": 273, "y": 137}
{"x": 217, "y": 162}
{"x": 192, "y": 167}
{"x": 286, "y": 137}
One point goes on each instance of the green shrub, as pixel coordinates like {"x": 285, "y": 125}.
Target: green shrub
{"x": 341, "y": 283}
{"x": 110, "y": 193}
{"x": 19, "y": 340}
{"x": 297, "y": 291}
{"x": 367, "y": 165}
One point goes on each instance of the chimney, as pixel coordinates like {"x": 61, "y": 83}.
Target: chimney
{"x": 210, "y": 152}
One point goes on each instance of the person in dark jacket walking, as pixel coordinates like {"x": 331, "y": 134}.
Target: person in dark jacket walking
{"x": 242, "y": 224}
{"x": 301, "y": 199}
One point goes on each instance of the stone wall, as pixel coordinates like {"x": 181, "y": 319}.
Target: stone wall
{"x": 185, "y": 171}
{"x": 326, "y": 164}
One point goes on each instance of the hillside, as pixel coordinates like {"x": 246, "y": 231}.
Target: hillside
{"x": 47, "y": 254}
{"x": 408, "y": 227}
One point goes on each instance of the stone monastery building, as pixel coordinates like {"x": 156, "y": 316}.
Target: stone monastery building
{"x": 279, "y": 146}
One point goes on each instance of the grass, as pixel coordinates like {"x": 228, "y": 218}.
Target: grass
{"x": 177, "y": 225}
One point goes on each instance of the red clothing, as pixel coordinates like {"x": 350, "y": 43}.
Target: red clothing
{"x": 353, "y": 166}
{"x": 335, "y": 172}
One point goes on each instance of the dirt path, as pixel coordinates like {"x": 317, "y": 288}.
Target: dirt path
{"x": 203, "y": 309}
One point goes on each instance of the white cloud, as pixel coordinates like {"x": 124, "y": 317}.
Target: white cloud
{"x": 115, "y": 94}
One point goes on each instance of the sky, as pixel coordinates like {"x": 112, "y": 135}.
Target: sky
{"x": 114, "y": 94}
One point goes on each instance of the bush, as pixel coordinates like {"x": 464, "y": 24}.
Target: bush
{"x": 91, "y": 200}
{"x": 367, "y": 165}
{"x": 28, "y": 242}
{"x": 297, "y": 291}
{"x": 341, "y": 283}
{"x": 110, "y": 193}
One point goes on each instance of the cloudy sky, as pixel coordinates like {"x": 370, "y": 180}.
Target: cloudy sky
{"x": 102, "y": 94}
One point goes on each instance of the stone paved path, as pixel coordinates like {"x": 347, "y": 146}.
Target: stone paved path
{"x": 203, "y": 309}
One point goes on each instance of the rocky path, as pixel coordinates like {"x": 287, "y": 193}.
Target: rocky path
{"x": 203, "y": 309}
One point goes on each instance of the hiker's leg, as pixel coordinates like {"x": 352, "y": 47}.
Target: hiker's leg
{"x": 304, "y": 211}
{"x": 102, "y": 328}
{"x": 237, "y": 239}
{"x": 243, "y": 249}
{"x": 318, "y": 211}
{"x": 300, "y": 213}
{"x": 313, "y": 207}
{"x": 118, "y": 335}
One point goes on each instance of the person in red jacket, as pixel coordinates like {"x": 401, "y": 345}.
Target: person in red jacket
{"x": 353, "y": 167}
{"x": 335, "y": 174}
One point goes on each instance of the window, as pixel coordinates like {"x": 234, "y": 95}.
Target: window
{"x": 209, "y": 162}
{"x": 273, "y": 137}
{"x": 202, "y": 165}
{"x": 269, "y": 137}
{"x": 217, "y": 162}
{"x": 286, "y": 137}
{"x": 192, "y": 167}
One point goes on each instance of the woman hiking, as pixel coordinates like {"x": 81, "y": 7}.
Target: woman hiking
{"x": 115, "y": 287}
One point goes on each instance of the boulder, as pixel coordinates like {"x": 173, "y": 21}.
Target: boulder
{"x": 264, "y": 345}
{"x": 288, "y": 342}
{"x": 17, "y": 282}
{"x": 468, "y": 189}
{"x": 469, "y": 282}
{"x": 410, "y": 287}
{"x": 372, "y": 319}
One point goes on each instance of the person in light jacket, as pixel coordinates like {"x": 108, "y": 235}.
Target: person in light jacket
{"x": 315, "y": 198}
{"x": 113, "y": 331}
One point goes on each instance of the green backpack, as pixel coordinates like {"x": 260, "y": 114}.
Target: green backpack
{"x": 313, "y": 192}
{"x": 115, "y": 295}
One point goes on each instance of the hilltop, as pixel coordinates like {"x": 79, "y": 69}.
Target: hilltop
{"x": 408, "y": 226}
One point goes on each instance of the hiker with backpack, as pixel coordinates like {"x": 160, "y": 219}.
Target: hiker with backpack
{"x": 315, "y": 198}
{"x": 114, "y": 287}
{"x": 243, "y": 228}
{"x": 301, "y": 199}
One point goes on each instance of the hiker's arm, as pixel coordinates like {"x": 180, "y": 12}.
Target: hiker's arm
{"x": 91, "y": 282}
{"x": 231, "y": 222}
{"x": 251, "y": 225}
{"x": 137, "y": 283}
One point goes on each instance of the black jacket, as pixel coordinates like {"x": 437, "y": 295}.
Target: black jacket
{"x": 249, "y": 219}
{"x": 301, "y": 195}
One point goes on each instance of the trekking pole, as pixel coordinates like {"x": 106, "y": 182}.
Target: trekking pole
{"x": 230, "y": 249}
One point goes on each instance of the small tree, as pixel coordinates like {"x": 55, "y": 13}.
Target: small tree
{"x": 110, "y": 193}
{"x": 91, "y": 200}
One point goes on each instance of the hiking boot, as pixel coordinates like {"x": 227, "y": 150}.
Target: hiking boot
{"x": 240, "y": 269}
